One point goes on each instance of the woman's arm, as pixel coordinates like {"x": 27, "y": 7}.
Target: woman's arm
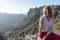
{"x": 49, "y": 32}
{"x": 41, "y": 25}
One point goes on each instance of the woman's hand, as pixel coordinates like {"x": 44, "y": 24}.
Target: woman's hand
{"x": 38, "y": 38}
{"x": 44, "y": 38}
{"x": 41, "y": 39}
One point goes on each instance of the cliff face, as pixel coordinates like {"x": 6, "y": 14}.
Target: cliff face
{"x": 31, "y": 22}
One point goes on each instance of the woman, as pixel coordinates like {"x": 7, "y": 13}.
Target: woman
{"x": 46, "y": 25}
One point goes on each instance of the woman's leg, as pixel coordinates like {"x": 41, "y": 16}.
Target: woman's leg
{"x": 57, "y": 37}
{"x": 53, "y": 36}
{"x": 50, "y": 37}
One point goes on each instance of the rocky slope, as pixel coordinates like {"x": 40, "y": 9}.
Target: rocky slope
{"x": 31, "y": 22}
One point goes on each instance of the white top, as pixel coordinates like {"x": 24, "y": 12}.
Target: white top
{"x": 45, "y": 24}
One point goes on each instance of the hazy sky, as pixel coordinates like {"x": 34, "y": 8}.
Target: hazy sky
{"x": 22, "y": 6}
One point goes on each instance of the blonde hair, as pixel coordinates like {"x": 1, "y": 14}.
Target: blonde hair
{"x": 49, "y": 11}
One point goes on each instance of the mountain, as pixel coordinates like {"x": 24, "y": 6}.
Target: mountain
{"x": 30, "y": 23}
{"x": 8, "y": 20}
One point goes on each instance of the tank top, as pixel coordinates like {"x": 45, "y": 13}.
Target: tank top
{"x": 47, "y": 24}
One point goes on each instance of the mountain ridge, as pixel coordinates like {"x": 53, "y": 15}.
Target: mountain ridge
{"x": 31, "y": 21}
{"x": 7, "y": 20}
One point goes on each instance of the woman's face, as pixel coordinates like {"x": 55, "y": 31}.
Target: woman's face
{"x": 46, "y": 13}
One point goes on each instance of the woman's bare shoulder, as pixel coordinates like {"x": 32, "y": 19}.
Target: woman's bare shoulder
{"x": 42, "y": 17}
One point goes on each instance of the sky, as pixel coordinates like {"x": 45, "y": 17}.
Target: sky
{"x": 23, "y": 6}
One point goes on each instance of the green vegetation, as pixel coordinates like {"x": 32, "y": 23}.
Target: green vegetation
{"x": 57, "y": 25}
